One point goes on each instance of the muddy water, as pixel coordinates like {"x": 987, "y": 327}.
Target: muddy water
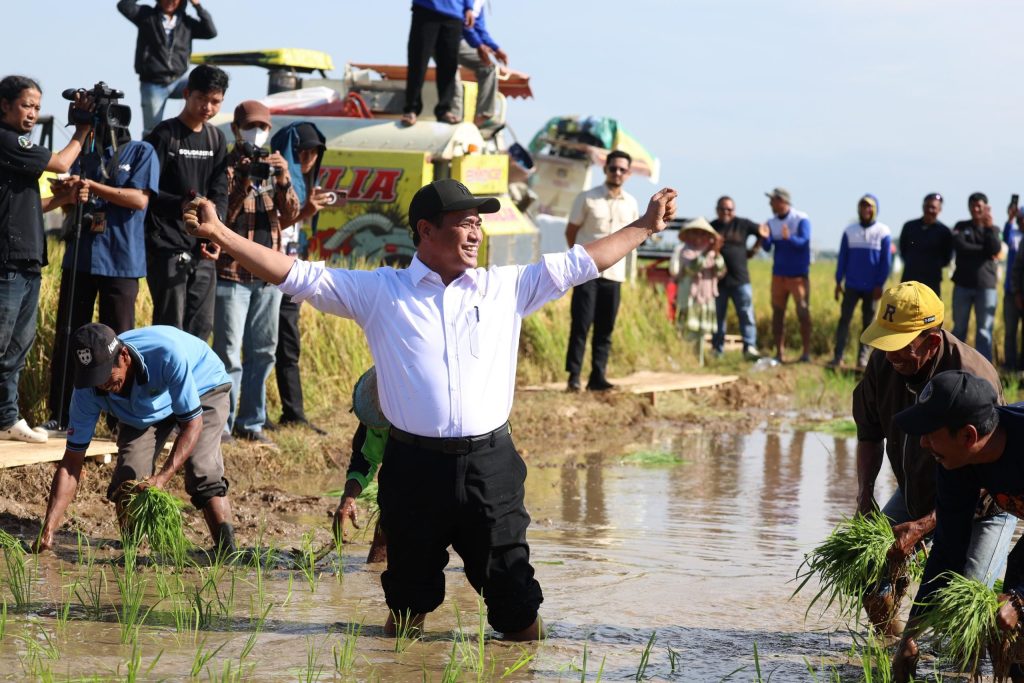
{"x": 701, "y": 552}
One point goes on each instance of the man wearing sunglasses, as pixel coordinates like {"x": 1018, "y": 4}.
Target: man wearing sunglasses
{"x": 597, "y": 213}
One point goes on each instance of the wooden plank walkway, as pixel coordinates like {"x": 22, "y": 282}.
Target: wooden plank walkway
{"x": 650, "y": 383}
{"x": 18, "y": 453}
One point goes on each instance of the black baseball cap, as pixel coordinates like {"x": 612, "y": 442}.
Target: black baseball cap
{"x": 442, "y": 196}
{"x": 951, "y": 399}
{"x": 94, "y": 348}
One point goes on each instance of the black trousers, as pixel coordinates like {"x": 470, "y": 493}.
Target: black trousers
{"x": 286, "y": 366}
{"x": 593, "y": 303}
{"x": 474, "y": 503}
{"x": 183, "y": 291}
{"x": 117, "y": 310}
{"x": 432, "y": 35}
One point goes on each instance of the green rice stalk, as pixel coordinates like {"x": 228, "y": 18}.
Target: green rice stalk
{"x": 851, "y": 563}
{"x": 9, "y": 542}
{"x": 19, "y": 576}
{"x": 962, "y": 617}
{"x": 155, "y": 514}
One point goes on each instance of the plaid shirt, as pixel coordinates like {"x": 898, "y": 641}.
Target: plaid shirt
{"x": 280, "y": 203}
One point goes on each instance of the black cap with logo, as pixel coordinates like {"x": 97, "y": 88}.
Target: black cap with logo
{"x": 442, "y": 196}
{"x": 951, "y": 398}
{"x": 94, "y": 348}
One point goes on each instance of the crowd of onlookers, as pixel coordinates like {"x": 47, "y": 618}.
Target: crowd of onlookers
{"x": 710, "y": 265}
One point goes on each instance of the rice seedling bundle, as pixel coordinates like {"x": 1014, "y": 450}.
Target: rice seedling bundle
{"x": 851, "y": 563}
{"x": 155, "y": 514}
{"x": 962, "y": 618}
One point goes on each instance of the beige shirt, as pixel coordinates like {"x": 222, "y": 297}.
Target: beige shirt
{"x": 598, "y": 214}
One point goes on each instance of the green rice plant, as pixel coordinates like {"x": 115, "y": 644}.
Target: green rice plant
{"x": 92, "y": 580}
{"x": 172, "y": 592}
{"x": 132, "y": 589}
{"x": 339, "y": 542}
{"x": 227, "y": 674}
{"x": 645, "y": 657}
{"x": 472, "y": 655}
{"x": 962, "y": 617}
{"x": 673, "y": 659}
{"x": 20, "y": 575}
{"x": 452, "y": 671}
{"x": 652, "y": 459}
{"x": 851, "y": 563}
{"x": 202, "y": 656}
{"x": 314, "y": 669}
{"x": 406, "y": 633}
{"x": 155, "y": 514}
{"x": 39, "y": 652}
{"x": 7, "y": 541}
{"x": 133, "y": 667}
{"x": 344, "y": 651}
{"x": 306, "y": 561}
{"x": 3, "y": 620}
{"x": 63, "y": 608}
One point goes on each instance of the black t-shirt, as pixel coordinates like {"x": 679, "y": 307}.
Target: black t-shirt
{"x": 925, "y": 250}
{"x": 975, "y": 247}
{"x": 734, "y": 249}
{"x": 190, "y": 161}
{"x": 22, "y": 241}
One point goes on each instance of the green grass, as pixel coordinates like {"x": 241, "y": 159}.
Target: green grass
{"x": 652, "y": 459}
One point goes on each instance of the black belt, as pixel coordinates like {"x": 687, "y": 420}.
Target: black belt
{"x": 459, "y": 445}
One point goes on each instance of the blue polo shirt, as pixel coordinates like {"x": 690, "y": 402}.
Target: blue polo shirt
{"x": 173, "y": 370}
{"x": 120, "y": 250}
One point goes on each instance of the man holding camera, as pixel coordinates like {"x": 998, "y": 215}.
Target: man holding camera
{"x": 162, "y": 51}
{"x": 114, "y": 190}
{"x": 22, "y": 240}
{"x": 193, "y": 162}
{"x": 260, "y": 200}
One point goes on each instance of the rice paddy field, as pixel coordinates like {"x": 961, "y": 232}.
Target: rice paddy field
{"x": 668, "y": 537}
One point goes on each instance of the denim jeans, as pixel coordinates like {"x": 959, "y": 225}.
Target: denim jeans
{"x": 742, "y": 297}
{"x": 19, "y": 307}
{"x": 868, "y": 308}
{"x": 154, "y": 98}
{"x": 1011, "y": 328}
{"x": 983, "y": 301}
{"x": 990, "y": 540}
{"x": 245, "y": 338}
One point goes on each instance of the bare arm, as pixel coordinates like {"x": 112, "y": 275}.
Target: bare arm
{"x": 608, "y": 250}
{"x": 268, "y": 265}
{"x": 571, "y": 230}
{"x": 62, "y": 492}
{"x": 869, "y": 464}
{"x": 127, "y": 197}
{"x": 180, "y": 452}
{"x": 62, "y": 161}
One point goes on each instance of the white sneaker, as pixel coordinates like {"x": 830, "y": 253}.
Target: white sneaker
{"x": 20, "y": 431}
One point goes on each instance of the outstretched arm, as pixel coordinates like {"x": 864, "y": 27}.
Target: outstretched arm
{"x": 609, "y": 250}
{"x": 268, "y": 265}
{"x": 62, "y": 491}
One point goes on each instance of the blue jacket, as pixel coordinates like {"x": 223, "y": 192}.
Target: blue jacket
{"x": 793, "y": 254}
{"x": 1011, "y": 235}
{"x": 451, "y": 8}
{"x": 478, "y": 34}
{"x": 865, "y": 255}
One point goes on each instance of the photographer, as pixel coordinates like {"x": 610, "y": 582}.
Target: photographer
{"x": 192, "y": 153}
{"x": 162, "y": 51}
{"x": 303, "y": 145}
{"x": 260, "y": 200}
{"x": 22, "y": 241}
{"x": 111, "y": 248}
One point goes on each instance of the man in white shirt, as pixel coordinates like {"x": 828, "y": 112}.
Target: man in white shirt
{"x": 598, "y": 212}
{"x": 444, "y": 336}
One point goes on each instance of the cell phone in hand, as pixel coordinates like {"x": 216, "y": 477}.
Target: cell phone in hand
{"x": 1015, "y": 200}
{"x": 335, "y": 197}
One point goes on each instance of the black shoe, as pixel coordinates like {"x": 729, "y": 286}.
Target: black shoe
{"x": 573, "y": 385}
{"x": 257, "y": 437}
{"x": 599, "y": 385}
{"x": 303, "y": 422}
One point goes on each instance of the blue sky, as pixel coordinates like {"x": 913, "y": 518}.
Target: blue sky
{"x": 829, "y": 98}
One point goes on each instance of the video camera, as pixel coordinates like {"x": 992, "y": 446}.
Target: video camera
{"x": 107, "y": 111}
{"x": 256, "y": 170}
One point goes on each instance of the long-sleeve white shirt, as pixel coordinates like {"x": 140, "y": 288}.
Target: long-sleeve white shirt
{"x": 445, "y": 356}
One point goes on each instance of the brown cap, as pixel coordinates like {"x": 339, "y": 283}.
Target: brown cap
{"x": 252, "y": 111}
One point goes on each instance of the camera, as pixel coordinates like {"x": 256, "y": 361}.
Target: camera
{"x": 257, "y": 170}
{"x": 107, "y": 111}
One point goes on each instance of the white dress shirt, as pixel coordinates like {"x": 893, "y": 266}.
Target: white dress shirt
{"x": 445, "y": 356}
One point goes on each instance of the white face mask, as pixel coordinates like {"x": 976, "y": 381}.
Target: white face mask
{"x": 256, "y": 136}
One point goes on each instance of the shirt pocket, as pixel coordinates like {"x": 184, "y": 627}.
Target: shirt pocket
{"x": 473, "y": 325}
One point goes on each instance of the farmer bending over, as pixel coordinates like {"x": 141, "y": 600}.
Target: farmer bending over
{"x": 912, "y": 348}
{"x": 980, "y": 446}
{"x": 444, "y": 335}
{"x": 153, "y": 380}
